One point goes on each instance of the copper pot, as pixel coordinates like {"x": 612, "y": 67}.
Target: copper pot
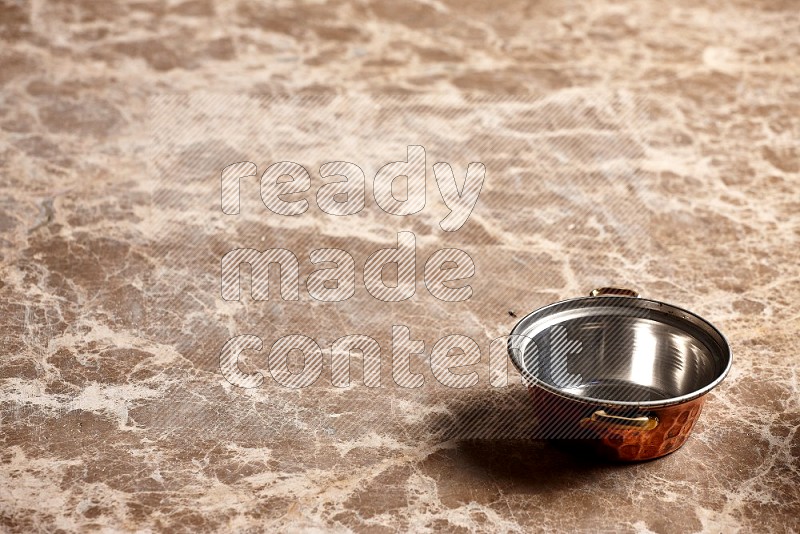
{"x": 625, "y": 374}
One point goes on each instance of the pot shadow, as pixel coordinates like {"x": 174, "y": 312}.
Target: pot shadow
{"x": 495, "y": 434}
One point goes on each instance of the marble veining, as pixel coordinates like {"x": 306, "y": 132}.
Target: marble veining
{"x": 650, "y": 145}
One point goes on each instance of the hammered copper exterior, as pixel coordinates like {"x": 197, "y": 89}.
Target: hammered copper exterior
{"x": 567, "y": 419}
{"x": 675, "y": 423}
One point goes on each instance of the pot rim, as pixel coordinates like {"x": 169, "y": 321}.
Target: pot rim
{"x": 681, "y": 314}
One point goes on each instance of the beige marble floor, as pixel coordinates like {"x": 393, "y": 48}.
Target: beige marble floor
{"x": 654, "y": 145}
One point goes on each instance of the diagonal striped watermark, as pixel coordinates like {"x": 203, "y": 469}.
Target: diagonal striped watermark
{"x": 374, "y": 246}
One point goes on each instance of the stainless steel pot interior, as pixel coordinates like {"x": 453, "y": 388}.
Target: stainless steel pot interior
{"x": 620, "y": 350}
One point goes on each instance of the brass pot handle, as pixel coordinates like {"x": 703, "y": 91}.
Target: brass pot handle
{"x": 614, "y": 291}
{"x": 645, "y": 422}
